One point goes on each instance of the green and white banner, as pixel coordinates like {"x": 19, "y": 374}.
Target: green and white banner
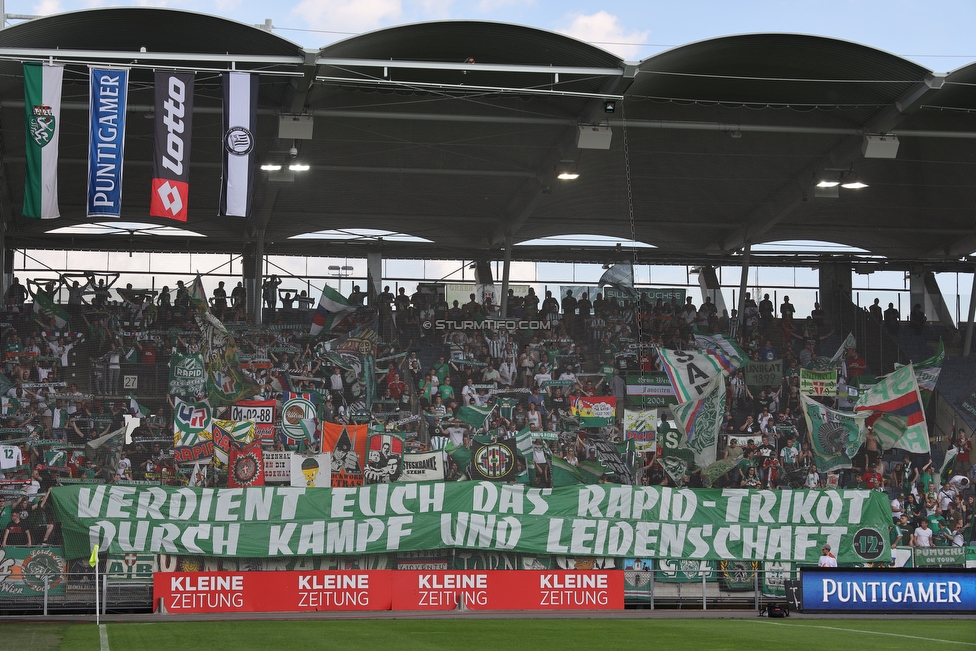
{"x": 818, "y": 383}
{"x": 650, "y": 390}
{"x": 42, "y": 114}
{"x": 24, "y": 570}
{"x": 834, "y": 435}
{"x": 187, "y": 376}
{"x": 589, "y": 520}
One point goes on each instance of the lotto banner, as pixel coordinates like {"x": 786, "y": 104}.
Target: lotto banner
{"x": 106, "y": 140}
{"x": 335, "y": 590}
{"x": 171, "y": 153}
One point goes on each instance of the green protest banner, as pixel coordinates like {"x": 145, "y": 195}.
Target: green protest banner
{"x": 585, "y": 520}
{"x": 186, "y": 375}
{"x": 760, "y": 374}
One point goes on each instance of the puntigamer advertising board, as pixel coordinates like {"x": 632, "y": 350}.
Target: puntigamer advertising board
{"x": 889, "y": 590}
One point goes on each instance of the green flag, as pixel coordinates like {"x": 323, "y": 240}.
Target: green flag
{"x": 44, "y": 304}
{"x": 476, "y": 417}
{"x": 42, "y": 113}
{"x": 564, "y": 474}
{"x": 834, "y": 435}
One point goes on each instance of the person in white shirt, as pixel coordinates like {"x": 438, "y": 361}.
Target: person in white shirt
{"x": 468, "y": 392}
{"x": 124, "y": 471}
{"x": 813, "y": 480}
{"x": 923, "y": 535}
{"x": 826, "y": 558}
{"x": 506, "y": 373}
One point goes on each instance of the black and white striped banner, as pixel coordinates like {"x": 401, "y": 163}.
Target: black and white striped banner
{"x": 240, "y": 120}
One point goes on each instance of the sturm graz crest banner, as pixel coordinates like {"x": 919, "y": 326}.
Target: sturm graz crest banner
{"x": 42, "y": 111}
{"x": 240, "y": 122}
{"x": 171, "y": 139}
{"x": 106, "y": 140}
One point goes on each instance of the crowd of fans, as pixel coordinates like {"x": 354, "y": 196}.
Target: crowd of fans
{"x": 83, "y": 374}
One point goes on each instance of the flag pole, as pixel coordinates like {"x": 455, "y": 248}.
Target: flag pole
{"x": 93, "y": 561}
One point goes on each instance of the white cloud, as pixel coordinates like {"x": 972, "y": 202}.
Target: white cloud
{"x": 436, "y": 9}
{"x": 603, "y": 30}
{"x": 347, "y": 15}
{"x": 48, "y": 7}
{"x": 227, "y": 5}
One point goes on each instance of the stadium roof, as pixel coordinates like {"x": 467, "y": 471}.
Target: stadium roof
{"x": 452, "y": 133}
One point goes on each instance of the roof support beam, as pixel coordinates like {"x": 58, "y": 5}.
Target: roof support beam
{"x": 792, "y": 194}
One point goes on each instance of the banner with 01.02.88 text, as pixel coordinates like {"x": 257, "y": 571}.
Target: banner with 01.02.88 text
{"x": 594, "y": 520}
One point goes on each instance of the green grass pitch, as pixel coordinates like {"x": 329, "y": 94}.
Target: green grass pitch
{"x": 795, "y": 634}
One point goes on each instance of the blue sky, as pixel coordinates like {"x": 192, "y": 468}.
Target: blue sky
{"x": 936, "y": 33}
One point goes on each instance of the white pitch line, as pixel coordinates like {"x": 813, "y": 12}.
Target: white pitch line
{"x": 856, "y": 630}
{"x": 103, "y": 637}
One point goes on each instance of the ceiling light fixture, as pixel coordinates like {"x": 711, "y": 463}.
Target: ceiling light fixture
{"x": 271, "y": 167}
{"x": 852, "y": 182}
{"x": 298, "y": 167}
{"x": 566, "y": 170}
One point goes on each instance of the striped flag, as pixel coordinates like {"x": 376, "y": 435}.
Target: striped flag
{"x": 42, "y": 113}
{"x": 691, "y": 371}
{"x": 902, "y": 420}
{"x": 240, "y": 122}
{"x": 333, "y": 307}
{"x": 620, "y": 276}
{"x": 730, "y": 353}
{"x": 701, "y": 420}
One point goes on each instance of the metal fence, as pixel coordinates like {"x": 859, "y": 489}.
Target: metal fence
{"x": 686, "y": 585}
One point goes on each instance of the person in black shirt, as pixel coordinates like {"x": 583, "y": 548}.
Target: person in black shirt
{"x": 16, "y": 533}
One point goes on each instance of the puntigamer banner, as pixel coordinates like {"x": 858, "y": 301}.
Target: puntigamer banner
{"x": 595, "y": 520}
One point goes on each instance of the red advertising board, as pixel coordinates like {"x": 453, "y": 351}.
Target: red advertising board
{"x": 271, "y": 592}
{"x": 508, "y": 590}
{"x": 266, "y": 592}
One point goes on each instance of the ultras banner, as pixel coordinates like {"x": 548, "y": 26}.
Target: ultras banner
{"x": 591, "y": 520}
{"x": 171, "y": 140}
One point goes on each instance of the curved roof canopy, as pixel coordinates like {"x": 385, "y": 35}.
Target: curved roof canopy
{"x": 454, "y": 133}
